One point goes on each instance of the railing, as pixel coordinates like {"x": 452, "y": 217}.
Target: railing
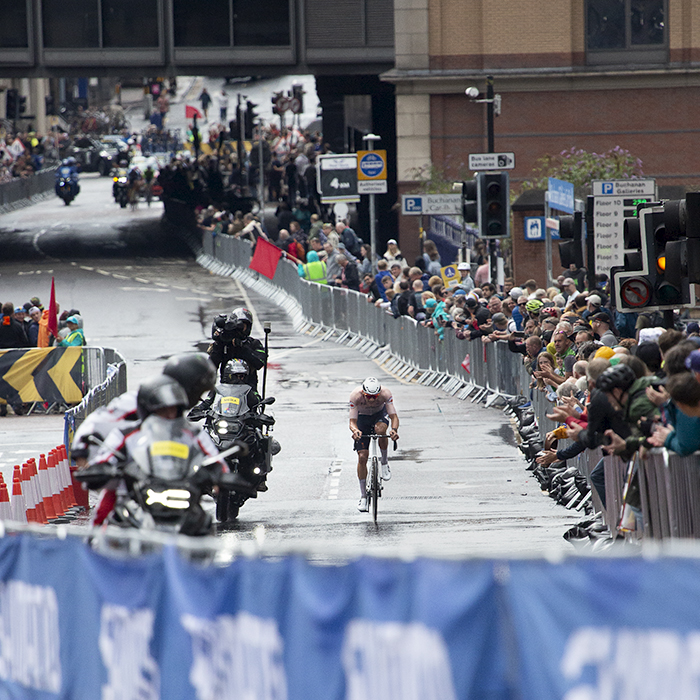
{"x": 21, "y": 189}
{"x": 670, "y": 484}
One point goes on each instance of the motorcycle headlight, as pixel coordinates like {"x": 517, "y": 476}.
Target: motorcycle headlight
{"x": 222, "y": 426}
{"x": 122, "y": 179}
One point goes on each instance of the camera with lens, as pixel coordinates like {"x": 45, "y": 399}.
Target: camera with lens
{"x": 228, "y": 329}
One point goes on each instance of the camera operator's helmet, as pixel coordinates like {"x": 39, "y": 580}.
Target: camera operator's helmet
{"x": 235, "y": 372}
{"x": 371, "y": 386}
{"x": 618, "y": 377}
{"x": 243, "y": 319}
{"x": 160, "y": 392}
{"x": 195, "y": 373}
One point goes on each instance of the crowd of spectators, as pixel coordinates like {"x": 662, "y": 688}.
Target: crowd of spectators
{"x": 24, "y": 153}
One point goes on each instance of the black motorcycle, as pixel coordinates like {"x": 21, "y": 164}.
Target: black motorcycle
{"x": 237, "y": 415}
{"x": 165, "y": 479}
{"x": 65, "y": 189}
{"x": 120, "y": 188}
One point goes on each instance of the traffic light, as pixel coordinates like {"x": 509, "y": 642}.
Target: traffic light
{"x": 571, "y": 240}
{"x": 493, "y": 195}
{"x": 297, "y": 94}
{"x": 470, "y": 209}
{"x": 661, "y": 249}
{"x": 22, "y": 104}
{"x": 249, "y": 120}
{"x": 11, "y": 103}
{"x": 50, "y": 105}
{"x": 276, "y": 97}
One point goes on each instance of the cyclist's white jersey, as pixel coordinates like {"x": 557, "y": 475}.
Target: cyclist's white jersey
{"x": 368, "y": 405}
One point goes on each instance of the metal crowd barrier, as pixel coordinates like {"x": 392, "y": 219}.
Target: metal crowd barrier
{"x": 26, "y": 188}
{"x": 669, "y": 484}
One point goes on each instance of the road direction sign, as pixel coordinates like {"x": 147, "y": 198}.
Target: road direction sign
{"x": 337, "y": 178}
{"x": 491, "y": 161}
{"x": 615, "y": 200}
{"x": 431, "y": 204}
{"x": 561, "y": 195}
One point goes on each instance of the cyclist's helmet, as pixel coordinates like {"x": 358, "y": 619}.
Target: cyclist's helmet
{"x": 620, "y": 376}
{"x": 371, "y": 386}
{"x": 160, "y": 392}
{"x": 534, "y": 306}
{"x": 235, "y": 372}
{"x": 243, "y": 320}
{"x": 195, "y": 373}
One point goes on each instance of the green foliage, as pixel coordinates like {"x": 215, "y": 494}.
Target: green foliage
{"x": 434, "y": 180}
{"x": 581, "y": 168}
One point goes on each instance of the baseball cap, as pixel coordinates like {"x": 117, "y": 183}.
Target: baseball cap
{"x": 459, "y": 293}
{"x": 568, "y": 281}
{"x": 693, "y": 327}
{"x": 19, "y": 310}
{"x": 605, "y": 352}
{"x": 36, "y": 301}
{"x": 463, "y": 266}
{"x": 391, "y": 240}
{"x": 33, "y": 310}
{"x": 74, "y": 319}
{"x": 499, "y": 318}
{"x": 692, "y": 362}
{"x": 516, "y": 292}
{"x": 430, "y": 303}
{"x": 594, "y": 299}
{"x": 601, "y": 316}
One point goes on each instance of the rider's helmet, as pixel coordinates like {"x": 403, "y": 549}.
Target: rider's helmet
{"x": 160, "y": 392}
{"x": 371, "y": 386}
{"x": 618, "y": 377}
{"x": 235, "y": 372}
{"x": 242, "y": 320}
{"x": 71, "y": 161}
{"x": 534, "y": 306}
{"x": 195, "y": 373}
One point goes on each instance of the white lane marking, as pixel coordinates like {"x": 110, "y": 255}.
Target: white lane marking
{"x": 199, "y": 299}
{"x": 278, "y": 356}
{"x": 120, "y": 277}
{"x": 103, "y": 272}
{"x": 334, "y": 471}
{"x": 86, "y": 267}
{"x": 184, "y": 289}
{"x": 141, "y": 279}
{"x": 161, "y": 284}
{"x": 144, "y": 289}
{"x": 246, "y": 299}
{"x": 35, "y": 241}
{"x": 28, "y": 272}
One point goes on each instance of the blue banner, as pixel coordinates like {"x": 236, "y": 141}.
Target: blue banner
{"x": 74, "y": 624}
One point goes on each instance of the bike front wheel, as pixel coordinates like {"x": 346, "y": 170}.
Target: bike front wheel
{"x": 375, "y": 487}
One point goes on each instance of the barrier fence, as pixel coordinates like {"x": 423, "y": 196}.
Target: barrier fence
{"x": 15, "y": 192}
{"x": 670, "y": 487}
{"x": 80, "y": 625}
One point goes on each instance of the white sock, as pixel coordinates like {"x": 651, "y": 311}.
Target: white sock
{"x": 363, "y": 488}
{"x": 385, "y": 455}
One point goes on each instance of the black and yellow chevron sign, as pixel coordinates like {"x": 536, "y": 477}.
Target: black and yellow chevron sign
{"x": 41, "y": 374}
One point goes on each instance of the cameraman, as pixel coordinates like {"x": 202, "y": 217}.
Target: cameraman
{"x": 232, "y": 341}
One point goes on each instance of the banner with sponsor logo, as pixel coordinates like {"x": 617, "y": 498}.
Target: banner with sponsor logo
{"x": 74, "y": 624}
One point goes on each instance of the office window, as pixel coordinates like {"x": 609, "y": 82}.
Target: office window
{"x": 625, "y": 25}
{"x": 129, "y": 23}
{"x": 202, "y": 23}
{"x": 70, "y": 24}
{"x": 261, "y": 24}
{"x": 13, "y": 27}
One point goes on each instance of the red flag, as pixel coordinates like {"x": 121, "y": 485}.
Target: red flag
{"x": 53, "y": 314}
{"x": 265, "y": 258}
{"x": 191, "y": 112}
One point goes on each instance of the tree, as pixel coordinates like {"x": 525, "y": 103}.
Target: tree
{"x": 581, "y": 168}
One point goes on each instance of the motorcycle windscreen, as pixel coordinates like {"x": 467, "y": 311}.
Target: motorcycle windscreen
{"x": 231, "y": 400}
{"x": 165, "y": 449}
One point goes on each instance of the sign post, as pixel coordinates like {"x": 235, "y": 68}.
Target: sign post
{"x": 336, "y": 178}
{"x": 369, "y": 164}
{"x": 560, "y": 196}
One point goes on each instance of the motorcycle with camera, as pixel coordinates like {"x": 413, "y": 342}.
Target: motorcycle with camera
{"x": 163, "y": 480}
{"x": 66, "y": 186}
{"x": 120, "y": 187}
{"x": 236, "y": 414}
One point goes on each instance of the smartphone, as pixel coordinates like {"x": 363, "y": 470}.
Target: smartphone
{"x": 519, "y": 334}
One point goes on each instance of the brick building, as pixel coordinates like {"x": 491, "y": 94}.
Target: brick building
{"x": 591, "y": 74}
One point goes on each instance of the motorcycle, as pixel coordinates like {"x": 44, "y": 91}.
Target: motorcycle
{"x": 65, "y": 190}
{"x": 120, "y": 188}
{"x": 229, "y": 419}
{"x": 164, "y": 482}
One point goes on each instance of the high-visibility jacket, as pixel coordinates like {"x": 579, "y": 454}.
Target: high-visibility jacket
{"x": 315, "y": 272}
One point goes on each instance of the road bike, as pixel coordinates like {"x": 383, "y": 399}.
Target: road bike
{"x": 374, "y": 485}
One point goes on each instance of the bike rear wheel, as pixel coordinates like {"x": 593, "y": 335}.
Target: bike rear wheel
{"x": 375, "y": 487}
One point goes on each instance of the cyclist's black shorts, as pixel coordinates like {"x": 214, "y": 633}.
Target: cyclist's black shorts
{"x": 366, "y": 425}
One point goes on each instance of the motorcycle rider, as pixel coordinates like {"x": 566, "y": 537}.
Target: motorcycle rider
{"x": 68, "y": 170}
{"x": 232, "y": 341}
{"x": 159, "y": 400}
{"x": 235, "y": 372}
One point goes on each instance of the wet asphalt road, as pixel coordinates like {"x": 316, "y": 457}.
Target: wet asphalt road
{"x": 458, "y": 486}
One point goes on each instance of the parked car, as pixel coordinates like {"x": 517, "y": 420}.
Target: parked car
{"x": 96, "y": 155}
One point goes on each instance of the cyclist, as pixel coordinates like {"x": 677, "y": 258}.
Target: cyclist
{"x": 371, "y": 410}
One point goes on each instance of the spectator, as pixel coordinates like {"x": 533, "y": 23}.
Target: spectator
{"x": 75, "y": 334}
{"x": 205, "y": 99}
{"x": 11, "y": 332}
{"x": 466, "y": 282}
{"x": 392, "y": 251}
{"x": 222, "y": 101}
{"x": 600, "y": 323}
{"x": 348, "y": 237}
{"x": 33, "y": 330}
{"x": 431, "y": 258}
{"x": 314, "y": 270}
{"x": 349, "y": 277}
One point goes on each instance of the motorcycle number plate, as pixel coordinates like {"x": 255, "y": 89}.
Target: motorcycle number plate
{"x": 230, "y": 400}
{"x": 169, "y": 448}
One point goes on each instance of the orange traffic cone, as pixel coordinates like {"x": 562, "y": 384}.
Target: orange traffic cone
{"x": 45, "y": 486}
{"x": 29, "y": 500}
{"x": 67, "y": 481}
{"x": 36, "y": 485}
{"x": 5, "y": 510}
{"x": 53, "y": 485}
{"x": 17, "y": 505}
